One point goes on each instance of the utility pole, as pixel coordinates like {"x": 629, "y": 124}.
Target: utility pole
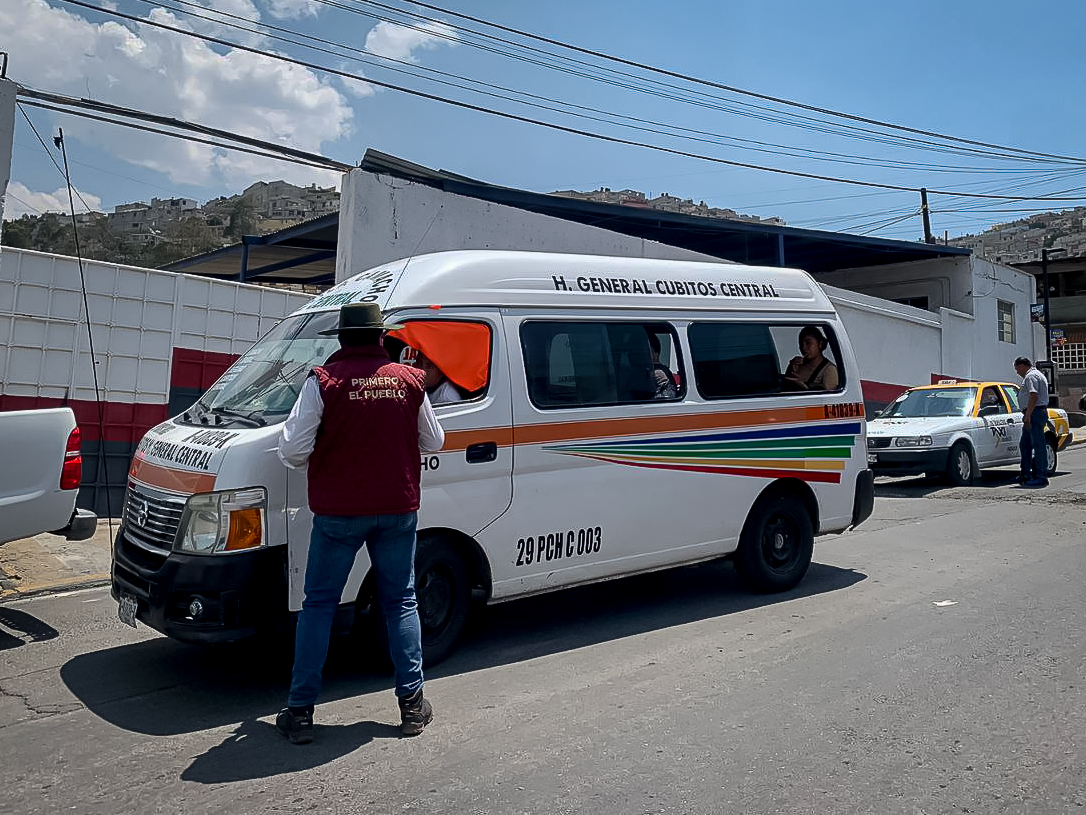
{"x": 1044, "y": 292}
{"x": 7, "y": 129}
{"x": 927, "y": 216}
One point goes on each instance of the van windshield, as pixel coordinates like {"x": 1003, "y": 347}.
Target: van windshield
{"x": 262, "y": 386}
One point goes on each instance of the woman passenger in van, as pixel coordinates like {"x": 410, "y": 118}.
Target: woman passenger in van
{"x": 811, "y": 370}
{"x": 667, "y": 387}
{"x": 438, "y": 386}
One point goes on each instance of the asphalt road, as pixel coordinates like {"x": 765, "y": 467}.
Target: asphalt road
{"x": 933, "y": 661}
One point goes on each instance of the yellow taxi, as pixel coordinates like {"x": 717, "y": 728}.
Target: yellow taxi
{"x": 955, "y": 429}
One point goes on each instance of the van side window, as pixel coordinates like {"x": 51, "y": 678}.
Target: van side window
{"x": 580, "y": 364}
{"x": 732, "y": 360}
{"x": 453, "y": 354}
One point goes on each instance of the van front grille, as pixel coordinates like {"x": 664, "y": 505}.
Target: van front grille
{"x": 151, "y": 518}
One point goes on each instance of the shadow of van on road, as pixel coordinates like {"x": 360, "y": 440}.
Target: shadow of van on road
{"x": 163, "y": 687}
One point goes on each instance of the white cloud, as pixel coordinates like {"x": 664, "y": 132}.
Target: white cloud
{"x": 401, "y": 42}
{"x": 163, "y": 72}
{"x": 151, "y": 69}
{"x": 21, "y": 201}
{"x": 292, "y": 9}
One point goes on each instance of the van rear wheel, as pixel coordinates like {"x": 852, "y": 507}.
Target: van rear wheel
{"x": 776, "y": 544}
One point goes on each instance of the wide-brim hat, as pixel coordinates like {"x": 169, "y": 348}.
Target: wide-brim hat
{"x": 356, "y": 316}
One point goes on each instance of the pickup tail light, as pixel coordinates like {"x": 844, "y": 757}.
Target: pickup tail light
{"x": 71, "y": 474}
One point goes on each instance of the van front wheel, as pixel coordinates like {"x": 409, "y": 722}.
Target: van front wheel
{"x": 776, "y": 544}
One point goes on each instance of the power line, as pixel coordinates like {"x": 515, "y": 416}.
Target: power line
{"x": 537, "y": 122}
{"x": 51, "y": 158}
{"x": 266, "y": 149}
{"x": 731, "y": 89}
{"x": 673, "y": 131}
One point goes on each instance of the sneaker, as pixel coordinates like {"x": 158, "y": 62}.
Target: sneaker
{"x": 415, "y": 713}
{"x": 296, "y": 727}
{"x": 1037, "y": 482}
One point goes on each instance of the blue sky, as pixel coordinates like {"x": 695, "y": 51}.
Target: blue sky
{"x": 1007, "y": 74}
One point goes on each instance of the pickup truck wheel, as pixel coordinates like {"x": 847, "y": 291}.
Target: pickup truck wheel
{"x": 776, "y": 544}
{"x": 961, "y": 466}
{"x": 1050, "y": 445}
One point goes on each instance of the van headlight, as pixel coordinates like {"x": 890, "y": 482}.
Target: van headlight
{"x": 913, "y": 441}
{"x": 230, "y": 521}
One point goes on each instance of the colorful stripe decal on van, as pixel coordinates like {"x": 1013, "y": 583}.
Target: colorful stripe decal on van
{"x": 808, "y": 452}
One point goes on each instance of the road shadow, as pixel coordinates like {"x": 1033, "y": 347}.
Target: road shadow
{"x": 921, "y": 486}
{"x": 256, "y": 750}
{"x": 26, "y": 627}
{"x": 163, "y": 687}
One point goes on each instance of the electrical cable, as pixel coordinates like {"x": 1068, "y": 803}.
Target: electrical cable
{"x": 731, "y": 89}
{"x": 271, "y": 150}
{"x": 528, "y": 120}
{"x": 367, "y": 58}
{"x": 51, "y": 158}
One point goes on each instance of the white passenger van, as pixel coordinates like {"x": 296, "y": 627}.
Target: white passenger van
{"x": 616, "y": 416}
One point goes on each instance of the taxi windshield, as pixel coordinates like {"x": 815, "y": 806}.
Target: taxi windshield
{"x": 933, "y": 402}
{"x": 262, "y": 386}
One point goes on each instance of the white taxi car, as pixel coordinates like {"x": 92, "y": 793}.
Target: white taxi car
{"x": 955, "y": 429}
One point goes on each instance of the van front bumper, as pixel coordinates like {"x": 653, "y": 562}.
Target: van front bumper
{"x": 202, "y": 598}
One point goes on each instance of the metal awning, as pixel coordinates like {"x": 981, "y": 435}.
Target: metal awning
{"x": 302, "y": 253}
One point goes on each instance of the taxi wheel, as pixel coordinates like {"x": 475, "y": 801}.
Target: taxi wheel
{"x": 961, "y": 466}
{"x": 1051, "y": 447}
{"x": 776, "y": 544}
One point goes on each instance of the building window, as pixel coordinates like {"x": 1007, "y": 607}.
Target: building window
{"x": 1006, "y": 320}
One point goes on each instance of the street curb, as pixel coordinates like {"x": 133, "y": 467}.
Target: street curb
{"x": 10, "y": 593}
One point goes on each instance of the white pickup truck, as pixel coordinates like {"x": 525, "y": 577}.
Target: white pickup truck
{"x": 40, "y": 470}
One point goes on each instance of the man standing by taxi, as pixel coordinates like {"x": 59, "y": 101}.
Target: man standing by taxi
{"x": 359, "y": 424}
{"x": 1033, "y": 402}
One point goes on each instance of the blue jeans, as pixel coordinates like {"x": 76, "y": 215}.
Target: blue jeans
{"x": 333, "y": 544}
{"x": 1033, "y": 446}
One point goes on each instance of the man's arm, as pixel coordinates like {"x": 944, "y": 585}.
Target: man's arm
{"x": 431, "y": 434}
{"x": 1029, "y": 407}
{"x": 299, "y": 434}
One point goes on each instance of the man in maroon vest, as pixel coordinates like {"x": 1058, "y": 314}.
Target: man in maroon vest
{"x": 359, "y": 423}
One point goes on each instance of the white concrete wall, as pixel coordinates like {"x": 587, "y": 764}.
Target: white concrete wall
{"x": 137, "y": 317}
{"x": 384, "y": 218}
{"x": 962, "y": 294}
{"x": 946, "y": 282}
{"x": 894, "y": 344}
